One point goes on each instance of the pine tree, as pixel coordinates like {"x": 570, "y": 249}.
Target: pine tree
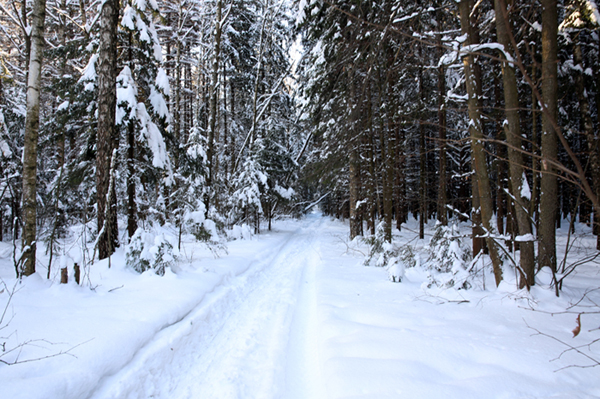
{"x": 106, "y": 137}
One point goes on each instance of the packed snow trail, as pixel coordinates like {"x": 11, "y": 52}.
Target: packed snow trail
{"x": 251, "y": 338}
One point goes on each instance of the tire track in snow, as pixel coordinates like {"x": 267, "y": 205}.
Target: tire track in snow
{"x": 235, "y": 343}
{"x": 303, "y": 373}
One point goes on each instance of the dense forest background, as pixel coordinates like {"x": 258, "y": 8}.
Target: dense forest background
{"x": 205, "y": 115}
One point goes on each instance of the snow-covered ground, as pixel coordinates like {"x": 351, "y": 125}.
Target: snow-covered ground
{"x": 290, "y": 313}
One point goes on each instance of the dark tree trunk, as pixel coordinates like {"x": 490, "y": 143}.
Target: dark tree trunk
{"x": 354, "y": 163}
{"x": 107, "y": 98}
{"x": 587, "y": 127}
{"x": 212, "y": 120}
{"x": 131, "y": 205}
{"x": 422, "y": 159}
{"x": 597, "y": 213}
{"x": 442, "y": 185}
{"x": 400, "y": 181}
{"x": 535, "y": 164}
{"x": 478, "y": 153}
{"x": 513, "y": 136}
{"x": 549, "y": 184}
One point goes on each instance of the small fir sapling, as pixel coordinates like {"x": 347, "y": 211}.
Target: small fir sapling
{"x": 377, "y": 253}
{"x": 150, "y": 250}
{"x": 383, "y": 253}
{"x": 206, "y": 229}
{"x": 448, "y": 259}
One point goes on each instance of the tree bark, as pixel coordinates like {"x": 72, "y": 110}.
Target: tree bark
{"x": 32, "y": 125}
{"x": 386, "y": 162}
{"x": 107, "y": 99}
{"x": 499, "y": 163}
{"x": 212, "y": 119}
{"x": 354, "y": 163}
{"x": 422, "y": 159}
{"x": 587, "y": 127}
{"x": 535, "y": 164}
{"x": 442, "y": 184}
{"x": 597, "y": 77}
{"x": 478, "y": 153}
{"x": 131, "y": 205}
{"x": 354, "y": 192}
{"x": 400, "y": 179}
{"x": 549, "y": 184}
{"x": 512, "y": 129}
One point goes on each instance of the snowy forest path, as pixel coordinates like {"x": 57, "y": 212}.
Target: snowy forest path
{"x": 250, "y": 338}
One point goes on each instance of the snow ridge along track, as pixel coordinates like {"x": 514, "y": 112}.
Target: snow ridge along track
{"x": 238, "y": 343}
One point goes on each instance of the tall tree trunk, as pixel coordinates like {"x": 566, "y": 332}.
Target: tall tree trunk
{"x": 512, "y": 130}
{"x": 354, "y": 192}
{"x": 597, "y": 76}
{"x": 441, "y": 75}
{"x": 422, "y": 158}
{"x": 32, "y": 125}
{"x": 354, "y": 162}
{"x": 24, "y": 23}
{"x": 587, "y": 127}
{"x": 389, "y": 170}
{"x": 233, "y": 119}
{"x": 549, "y": 184}
{"x": 227, "y": 149}
{"x": 400, "y": 179}
{"x": 370, "y": 182}
{"x": 371, "y": 178}
{"x": 535, "y": 164}
{"x": 131, "y": 205}
{"x": 62, "y": 34}
{"x": 499, "y": 163}
{"x": 478, "y": 153}
{"x": 107, "y": 99}
{"x": 212, "y": 119}
{"x": 422, "y": 180}
{"x": 176, "y": 111}
{"x": 386, "y": 161}
{"x": 387, "y": 186}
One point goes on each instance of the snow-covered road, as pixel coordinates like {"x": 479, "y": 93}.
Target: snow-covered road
{"x": 250, "y": 338}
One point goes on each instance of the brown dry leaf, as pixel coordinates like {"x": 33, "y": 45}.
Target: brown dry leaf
{"x": 577, "y": 329}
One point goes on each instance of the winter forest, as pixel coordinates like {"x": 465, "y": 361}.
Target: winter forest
{"x": 191, "y": 149}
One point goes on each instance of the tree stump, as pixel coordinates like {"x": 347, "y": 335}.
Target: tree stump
{"x": 77, "y": 273}
{"x": 64, "y": 276}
